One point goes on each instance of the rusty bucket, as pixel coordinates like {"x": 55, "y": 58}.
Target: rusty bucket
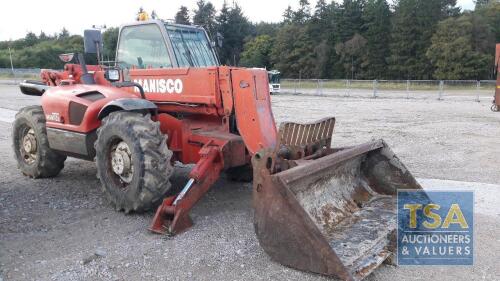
{"x": 331, "y": 212}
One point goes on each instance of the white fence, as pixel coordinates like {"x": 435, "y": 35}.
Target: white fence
{"x": 408, "y": 89}
{"x": 19, "y": 74}
{"x": 20, "y": 71}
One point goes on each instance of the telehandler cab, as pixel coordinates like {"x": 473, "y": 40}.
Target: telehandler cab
{"x": 320, "y": 209}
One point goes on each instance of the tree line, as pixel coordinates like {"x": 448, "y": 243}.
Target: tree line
{"x": 42, "y": 51}
{"x": 355, "y": 39}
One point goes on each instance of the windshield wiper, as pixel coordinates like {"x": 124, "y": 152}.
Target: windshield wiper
{"x": 187, "y": 53}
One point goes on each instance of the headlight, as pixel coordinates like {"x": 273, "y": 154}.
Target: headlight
{"x": 112, "y": 75}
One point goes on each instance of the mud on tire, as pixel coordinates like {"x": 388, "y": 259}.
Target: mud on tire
{"x": 140, "y": 182}
{"x": 31, "y": 146}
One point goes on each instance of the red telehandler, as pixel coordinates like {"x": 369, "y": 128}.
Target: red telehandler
{"x": 496, "y": 99}
{"x": 320, "y": 209}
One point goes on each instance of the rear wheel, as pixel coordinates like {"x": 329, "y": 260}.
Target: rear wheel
{"x": 31, "y": 146}
{"x": 133, "y": 161}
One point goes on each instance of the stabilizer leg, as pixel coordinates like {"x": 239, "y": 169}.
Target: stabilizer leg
{"x": 172, "y": 216}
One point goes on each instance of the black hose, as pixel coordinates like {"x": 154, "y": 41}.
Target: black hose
{"x": 130, "y": 84}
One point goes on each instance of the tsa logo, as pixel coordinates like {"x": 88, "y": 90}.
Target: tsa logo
{"x": 169, "y": 86}
{"x": 435, "y": 228}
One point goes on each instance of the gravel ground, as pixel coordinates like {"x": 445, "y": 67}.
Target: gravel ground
{"x": 64, "y": 229}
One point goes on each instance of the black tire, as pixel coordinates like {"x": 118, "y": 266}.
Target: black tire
{"x": 240, "y": 174}
{"x": 147, "y": 179}
{"x": 41, "y": 162}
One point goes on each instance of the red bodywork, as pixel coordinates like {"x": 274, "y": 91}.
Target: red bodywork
{"x": 497, "y": 88}
{"x": 216, "y": 117}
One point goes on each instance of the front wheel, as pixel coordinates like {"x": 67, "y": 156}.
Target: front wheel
{"x": 133, "y": 161}
{"x": 31, "y": 146}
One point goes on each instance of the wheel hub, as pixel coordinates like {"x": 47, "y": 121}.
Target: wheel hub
{"x": 29, "y": 143}
{"x": 29, "y": 146}
{"x": 121, "y": 162}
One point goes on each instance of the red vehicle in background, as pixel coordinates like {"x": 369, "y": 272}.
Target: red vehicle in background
{"x": 496, "y": 100}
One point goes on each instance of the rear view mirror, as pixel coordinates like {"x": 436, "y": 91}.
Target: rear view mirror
{"x": 92, "y": 41}
{"x": 220, "y": 39}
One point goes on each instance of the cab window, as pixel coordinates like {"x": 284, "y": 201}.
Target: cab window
{"x": 142, "y": 46}
{"x": 191, "y": 47}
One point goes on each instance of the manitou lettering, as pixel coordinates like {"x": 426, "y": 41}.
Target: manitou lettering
{"x": 54, "y": 117}
{"x": 170, "y": 86}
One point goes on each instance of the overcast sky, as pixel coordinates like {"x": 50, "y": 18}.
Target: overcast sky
{"x": 21, "y": 16}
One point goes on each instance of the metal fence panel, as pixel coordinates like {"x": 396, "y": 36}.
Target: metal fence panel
{"x": 408, "y": 89}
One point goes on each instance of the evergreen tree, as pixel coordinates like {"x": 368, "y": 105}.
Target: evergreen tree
{"x": 454, "y": 53}
{"x": 415, "y": 22}
{"x": 264, "y": 28}
{"x": 482, "y": 34}
{"x": 348, "y": 27}
{"x": 420, "y": 39}
{"x": 481, "y": 3}
{"x": 335, "y": 68}
{"x": 204, "y": 16}
{"x": 288, "y": 15}
{"x": 223, "y": 28}
{"x": 350, "y": 19}
{"x": 43, "y": 36}
{"x": 377, "y": 26}
{"x": 404, "y": 41}
{"x": 293, "y": 53}
{"x": 491, "y": 14}
{"x": 449, "y": 8}
{"x": 428, "y": 14}
{"x": 234, "y": 27}
{"x": 303, "y": 14}
{"x": 182, "y": 16}
{"x": 30, "y": 39}
{"x": 486, "y": 33}
{"x": 257, "y": 52}
{"x": 321, "y": 28}
{"x": 63, "y": 34}
{"x": 321, "y": 9}
{"x": 321, "y": 21}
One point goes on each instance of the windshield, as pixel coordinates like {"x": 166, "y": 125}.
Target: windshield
{"x": 274, "y": 78}
{"x": 142, "y": 46}
{"x": 191, "y": 47}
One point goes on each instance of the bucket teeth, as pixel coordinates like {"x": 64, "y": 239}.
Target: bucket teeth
{"x": 303, "y": 139}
